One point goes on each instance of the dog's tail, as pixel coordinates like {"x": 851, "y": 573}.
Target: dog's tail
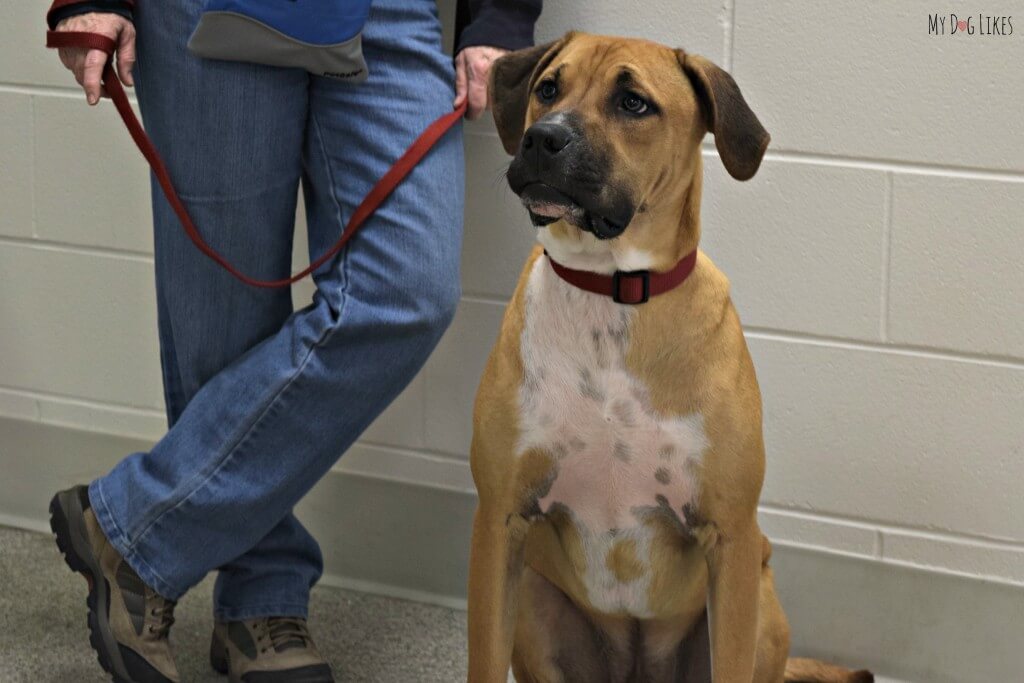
{"x": 800, "y": 670}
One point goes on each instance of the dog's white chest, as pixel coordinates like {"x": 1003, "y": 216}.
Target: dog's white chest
{"x": 618, "y": 461}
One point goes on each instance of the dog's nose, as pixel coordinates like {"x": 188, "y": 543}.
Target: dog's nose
{"x": 547, "y": 138}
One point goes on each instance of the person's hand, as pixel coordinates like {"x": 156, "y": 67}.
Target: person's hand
{"x": 87, "y": 65}
{"x": 472, "y": 67}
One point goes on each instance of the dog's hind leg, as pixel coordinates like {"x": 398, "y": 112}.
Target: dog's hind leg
{"x": 693, "y": 660}
{"x": 773, "y": 644}
{"x": 555, "y": 642}
{"x": 772, "y": 631}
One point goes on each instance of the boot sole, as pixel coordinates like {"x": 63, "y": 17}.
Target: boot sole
{"x": 72, "y": 540}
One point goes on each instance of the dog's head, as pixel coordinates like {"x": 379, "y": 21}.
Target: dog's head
{"x": 606, "y": 137}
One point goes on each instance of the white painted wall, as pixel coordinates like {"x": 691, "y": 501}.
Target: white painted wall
{"x": 875, "y": 261}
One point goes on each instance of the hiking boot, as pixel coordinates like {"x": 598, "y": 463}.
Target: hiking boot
{"x": 128, "y": 621}
{"x": 268, "y": 650}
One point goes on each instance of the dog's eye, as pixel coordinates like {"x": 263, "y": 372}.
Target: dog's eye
{"x": 634, "y": 104}
{"x": 547, "y": 91}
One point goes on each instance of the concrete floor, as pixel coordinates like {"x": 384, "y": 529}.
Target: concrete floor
{"x": 44, "y": 638}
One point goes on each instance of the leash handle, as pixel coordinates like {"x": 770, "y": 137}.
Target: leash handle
{"x": 384, "y": 187}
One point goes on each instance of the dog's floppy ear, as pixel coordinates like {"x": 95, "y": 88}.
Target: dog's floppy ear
{"x": 511, "y": 79}
{"x": 740, "y": 138}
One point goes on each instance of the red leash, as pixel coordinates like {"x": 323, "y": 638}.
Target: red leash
{"x": 384, "y": 187}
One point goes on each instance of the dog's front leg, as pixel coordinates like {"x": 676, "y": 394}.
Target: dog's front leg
{"x": 734, "y": 567}
{"x": 496, "y": 563}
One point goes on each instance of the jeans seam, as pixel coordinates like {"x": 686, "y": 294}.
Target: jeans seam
{"x": 331, "y": 184}
{"x": 117, "y": 538}
{"x": 104, "y": 509}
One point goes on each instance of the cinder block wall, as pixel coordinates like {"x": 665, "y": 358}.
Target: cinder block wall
{"x": 875, "y": 260}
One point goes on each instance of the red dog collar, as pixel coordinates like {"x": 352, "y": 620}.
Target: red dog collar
{"x": 628, "y": 287}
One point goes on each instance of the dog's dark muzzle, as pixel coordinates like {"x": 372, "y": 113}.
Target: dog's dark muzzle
{"x": 558, "y": 176}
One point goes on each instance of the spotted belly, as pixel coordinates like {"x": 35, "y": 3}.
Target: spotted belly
{"x": 618, "y": 481}
{"x": 620, "y": 468}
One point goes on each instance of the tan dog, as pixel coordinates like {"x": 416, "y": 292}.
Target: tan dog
{"x": 617, "y": 448}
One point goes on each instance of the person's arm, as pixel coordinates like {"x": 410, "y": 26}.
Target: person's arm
{"x": 111, "y": 18}
{"x": 506, "y": 24}
{"x": 63, "y": 9}
{"x": 487, "y": 30}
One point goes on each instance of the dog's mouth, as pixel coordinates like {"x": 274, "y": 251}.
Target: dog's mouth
{"x": 547, "y": 205}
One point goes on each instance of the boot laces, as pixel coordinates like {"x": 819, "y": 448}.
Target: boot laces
{"x": 162, "y": 610}
{"x": 287, "y": 632}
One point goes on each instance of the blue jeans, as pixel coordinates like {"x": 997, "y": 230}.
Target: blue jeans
{"x": 262, "y": 400}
